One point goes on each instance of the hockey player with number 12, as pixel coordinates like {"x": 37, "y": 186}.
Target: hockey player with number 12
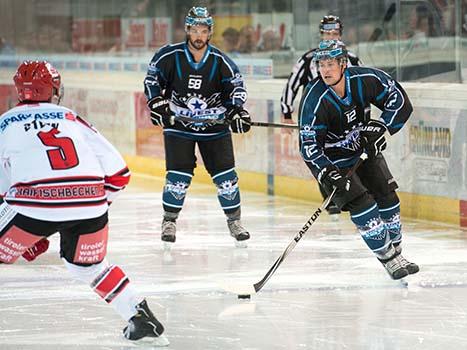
{"x": 335, "y": 129}
{"x": 59, "y": 174}
{"x": 195, "y": 92}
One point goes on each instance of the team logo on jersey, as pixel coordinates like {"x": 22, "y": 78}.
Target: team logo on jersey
{"x": 307, "y": 133}
{"x": 228, "y": 189}
{"x": 177, "y": 189}
{"x": 196, "y": 104}
{"x": 237, "y": 80}
{"x": 351, "y": 141}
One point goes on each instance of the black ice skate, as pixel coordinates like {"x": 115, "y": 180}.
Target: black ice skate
{"x": 144, "y": 324}
{"x": 394, "y": 267}
{"x": 238, "y": 232}
{"x": 169, "y": 229}
{"x": 409, "y": 266}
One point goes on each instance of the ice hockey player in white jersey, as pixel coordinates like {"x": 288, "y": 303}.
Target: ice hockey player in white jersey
{"x": 58, "y": 174}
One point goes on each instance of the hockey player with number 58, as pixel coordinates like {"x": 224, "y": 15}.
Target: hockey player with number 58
{"x": 195, "y": 92}
{"x": 58, "y": 174}
{"x": 335, "y": 128}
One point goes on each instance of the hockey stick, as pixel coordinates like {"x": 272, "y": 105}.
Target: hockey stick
{"x": 246, "y": 290}
{"x": 275, "y": 125}
{"x": 223, "y": 121}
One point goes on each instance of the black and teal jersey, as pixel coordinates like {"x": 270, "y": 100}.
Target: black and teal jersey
{"x": 198, "y": 91}
{"x": 330, "y": 125}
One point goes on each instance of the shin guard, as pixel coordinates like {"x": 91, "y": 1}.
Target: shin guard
{"x": 392, "y": 221}
{"x": 176, "y": 186}
{"x": 372, "y": 229}
{"x": 228, "y": 192}
{"x": 111, "y": 283}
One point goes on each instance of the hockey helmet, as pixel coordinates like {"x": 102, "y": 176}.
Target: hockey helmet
{"x": 329, "y": 23}
{"x": 38, "y": 81}
{"x": 330, "y": 49}
{"x": 198, "y": 16}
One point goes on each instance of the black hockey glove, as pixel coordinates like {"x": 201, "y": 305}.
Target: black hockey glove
{"x": 239, "y": 118}
{"x": 288, "y": 116}
{"x": 161, "y": 115}
{"x": 372, "y": 137}
{"x": 331, "y": 177}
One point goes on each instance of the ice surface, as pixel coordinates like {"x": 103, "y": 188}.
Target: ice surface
{"x": 330, "y": 292}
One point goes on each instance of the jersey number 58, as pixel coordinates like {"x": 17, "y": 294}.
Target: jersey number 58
{"x": 194, "y": 83}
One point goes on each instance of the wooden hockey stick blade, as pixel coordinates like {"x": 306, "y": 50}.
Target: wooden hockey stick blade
{"x": 275, "y": 125}
{"x": 237, "y": 288}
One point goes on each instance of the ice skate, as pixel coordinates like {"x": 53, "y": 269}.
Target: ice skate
{"x": 144, "y": 324}
{"x": 169, "y": 229}
{"x": 238, "y": 232}
{"x": 394, "y": 267}
{"x": 409, "y": 266}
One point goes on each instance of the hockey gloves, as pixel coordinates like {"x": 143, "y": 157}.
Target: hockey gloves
{"x": 288, "y": 116}
{"x": 37, "y": 249}
{"x": 331, "y": 177}
{"x": 239, "y": 118}
{"x": 372, "y": 137}
{"x": 161, "y": 115}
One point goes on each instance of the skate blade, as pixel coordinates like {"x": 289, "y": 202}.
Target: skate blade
{"x": 403, "y": 283}
{"x": 168, "y": 246}
{"x": 160, "y": 341}
{"x": 241, "y": 244}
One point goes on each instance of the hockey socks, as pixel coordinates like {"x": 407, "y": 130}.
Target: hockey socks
{"x": 176, "y": 186}
{"x": 392, "y": 221}
{"x": 372, "y": 230}
{"x": 227, "y": 190}
{"x": 111, "y": 283}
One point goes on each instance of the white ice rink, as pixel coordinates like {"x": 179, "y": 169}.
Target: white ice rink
{"x": 330, "y": 293}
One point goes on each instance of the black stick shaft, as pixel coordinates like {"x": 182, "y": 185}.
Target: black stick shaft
{"x": 257, "y": 286}
{"x": 275, "y": 125}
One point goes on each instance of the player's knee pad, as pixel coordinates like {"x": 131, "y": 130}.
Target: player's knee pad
{"x": 85, "y": 274}
{"x": 175, "y": 189}
{"x": 227, "y": 189}
{"x": 372, "y": 228}
{"x": 389, "y": 209}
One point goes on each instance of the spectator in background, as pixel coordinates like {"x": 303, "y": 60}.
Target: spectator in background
{"x": 421, "y": 23}
{"x": 270, "y": 40}
{"x": 230, "y": 38}
{"x": 5, "y": 47}
{"x": 247, "y": 39}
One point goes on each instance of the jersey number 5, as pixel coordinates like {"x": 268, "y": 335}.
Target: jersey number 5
{"x": 64, "y": 156}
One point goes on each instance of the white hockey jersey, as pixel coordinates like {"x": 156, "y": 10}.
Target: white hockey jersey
{"x": 55, "y": 166}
